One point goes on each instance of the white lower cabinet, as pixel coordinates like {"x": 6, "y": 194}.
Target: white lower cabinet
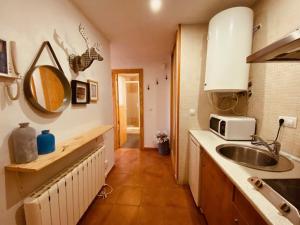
{"x": 194, "y": 168}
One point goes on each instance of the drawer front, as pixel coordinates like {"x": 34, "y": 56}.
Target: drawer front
{"x": 246, "y": 210}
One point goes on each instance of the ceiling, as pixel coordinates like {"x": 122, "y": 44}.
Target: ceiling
{"x": 135, "y": 32}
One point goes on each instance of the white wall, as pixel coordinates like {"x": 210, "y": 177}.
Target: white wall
{"x": 156, "y": 100}
{"x": 30, "y": 23}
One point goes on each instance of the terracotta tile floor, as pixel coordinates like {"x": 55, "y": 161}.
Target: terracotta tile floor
{"x": 144, "y": 193}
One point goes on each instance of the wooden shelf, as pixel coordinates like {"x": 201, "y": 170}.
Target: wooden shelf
{"x": 62, "y": 150}
{"x": 8, "y": 77}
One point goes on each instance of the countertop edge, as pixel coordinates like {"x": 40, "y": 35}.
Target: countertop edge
{"x": 256, "y": 199}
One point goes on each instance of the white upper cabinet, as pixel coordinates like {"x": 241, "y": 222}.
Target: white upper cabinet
{"x": 229, "y": 44}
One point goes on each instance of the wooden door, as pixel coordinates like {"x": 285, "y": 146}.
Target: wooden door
{"x": 123, "y": 124}
{"x": 245, "y": 212}
{"x": 237, "y": 219}
{"x": 116, "y": 110}
{"x": 216, "y": 193}
{"x": 175, "y": 95}
{"x": 220, "y": 201}
{"x": 122, "y": 117}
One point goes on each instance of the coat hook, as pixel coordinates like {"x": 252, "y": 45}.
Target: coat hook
{"x": 148, "y": 87}
{"x": 256, "y": 28}
{"x": 157, "y": 82}
{"x": 166, "y": 77}
{"x": 9, "y": 91}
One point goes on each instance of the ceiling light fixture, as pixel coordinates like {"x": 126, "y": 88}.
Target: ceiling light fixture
{"x": 155, "y": 5}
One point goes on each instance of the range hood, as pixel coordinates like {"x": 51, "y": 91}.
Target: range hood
{"x": 286, "y": 49}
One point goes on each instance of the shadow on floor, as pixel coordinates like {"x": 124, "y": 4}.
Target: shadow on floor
{"x": 133, "y": 141}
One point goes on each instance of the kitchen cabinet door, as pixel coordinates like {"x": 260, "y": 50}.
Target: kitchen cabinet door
{"x": 216, "y": 193}
{"x": 194, "y": 168}
{"x": 246, "y": 210}
{"x": 237, "y": 219}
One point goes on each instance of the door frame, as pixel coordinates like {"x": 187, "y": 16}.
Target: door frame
{"x": 115, "y": 73}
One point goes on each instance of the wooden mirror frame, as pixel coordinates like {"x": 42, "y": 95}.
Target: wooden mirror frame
{"x": 60, "y": 75}
{"x": 31, "y": 98}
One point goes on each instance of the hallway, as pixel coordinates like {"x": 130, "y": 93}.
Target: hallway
{"x": 144, "y": 193}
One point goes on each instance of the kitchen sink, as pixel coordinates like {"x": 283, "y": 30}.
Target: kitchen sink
{"x": 254, "y": 157}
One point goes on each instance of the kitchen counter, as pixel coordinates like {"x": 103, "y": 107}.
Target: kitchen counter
{"x": 239, "y": 174}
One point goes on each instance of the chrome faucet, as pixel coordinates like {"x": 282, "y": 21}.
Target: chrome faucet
{"x": 273, "y": 147}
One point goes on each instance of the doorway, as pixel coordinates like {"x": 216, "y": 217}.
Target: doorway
{"x": 128, "y": 108}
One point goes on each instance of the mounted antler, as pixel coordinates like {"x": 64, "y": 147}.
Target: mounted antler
{"x": 81, "y": 63}
{"x": 97, "y": 46}
{"x": 83, "y": 34}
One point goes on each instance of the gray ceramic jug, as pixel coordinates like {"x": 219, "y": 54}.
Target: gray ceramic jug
{"x": 24, "y": 143}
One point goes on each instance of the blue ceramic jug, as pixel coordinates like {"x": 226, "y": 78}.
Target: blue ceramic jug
{"x": 45, "y": 142}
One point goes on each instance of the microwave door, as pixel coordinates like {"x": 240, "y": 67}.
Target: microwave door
{"x": 222, "y": 128}
{"x": 214, "y": 124}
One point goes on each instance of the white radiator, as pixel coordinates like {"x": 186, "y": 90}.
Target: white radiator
{"x": 65, "y": 199}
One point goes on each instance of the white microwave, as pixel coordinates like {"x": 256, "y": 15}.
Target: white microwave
{"x": 232, "y": 128}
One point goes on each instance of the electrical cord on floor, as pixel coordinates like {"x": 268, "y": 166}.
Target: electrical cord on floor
{"x": 104, "y": 193}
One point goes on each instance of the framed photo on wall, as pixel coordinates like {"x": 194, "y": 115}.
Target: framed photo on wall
{"x": 93, "y": 90}
{"x": 3, "y": 58}
{"x": 80, "y": 92}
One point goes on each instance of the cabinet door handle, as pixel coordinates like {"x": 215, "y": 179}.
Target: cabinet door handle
{"x": 236, "y": 221}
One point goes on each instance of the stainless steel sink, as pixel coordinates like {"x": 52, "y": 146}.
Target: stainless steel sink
{"x": 254, "y": 157}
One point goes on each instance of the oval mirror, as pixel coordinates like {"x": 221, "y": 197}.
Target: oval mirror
{"x": 47, "y": 89}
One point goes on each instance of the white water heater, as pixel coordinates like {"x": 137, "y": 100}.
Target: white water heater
{"x": 229, "y": 44}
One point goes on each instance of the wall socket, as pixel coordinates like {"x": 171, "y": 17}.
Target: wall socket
{"x": 289, "y": 121}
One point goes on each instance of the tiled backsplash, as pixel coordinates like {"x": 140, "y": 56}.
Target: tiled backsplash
{"x": 276, "y": 86}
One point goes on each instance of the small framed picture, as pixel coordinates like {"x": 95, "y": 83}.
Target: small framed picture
{"x": 80, "y": 92}
{"x": 4, "y": 58}
{"x": 93, "y": 90}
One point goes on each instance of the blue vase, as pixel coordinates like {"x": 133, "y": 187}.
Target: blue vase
{"x": 45, "y": 142}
